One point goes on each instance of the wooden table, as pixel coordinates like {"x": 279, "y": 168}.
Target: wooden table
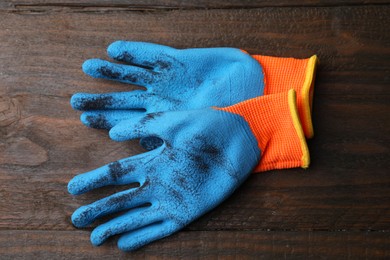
{"x": 338, "y": 208}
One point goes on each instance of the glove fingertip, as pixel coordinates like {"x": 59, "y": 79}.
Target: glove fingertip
{"x": 75, "y": 101}
{"x": 113, "y": 50}
{"x": 115, "y": 134}
{"x": 78, "y": 185}
{"x": 77, "y": 218}
{"x": 96, "y": 238}
{"x": 73, "y": 187}
{"x": 86, "y": 66}
{"x": 84, "y": 119}
{"x": 89, "y": 66}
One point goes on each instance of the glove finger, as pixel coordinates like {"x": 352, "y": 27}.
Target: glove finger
{"x": 139, "y": 127}
{"x": 124, "y": 200}
{"x": 148, "y": 55}
{"x": 137, "y": 99}
{"x": 138, "y": 238}
{"x": 98, "y": 68}
{"x": 125, "y": 171}
{"x": 134, "y": 219}
{"x": 106, "y": 119}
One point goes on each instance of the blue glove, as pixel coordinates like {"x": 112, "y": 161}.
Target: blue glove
{"x": 174, "y": 80}
{"x": 205, "y": 156}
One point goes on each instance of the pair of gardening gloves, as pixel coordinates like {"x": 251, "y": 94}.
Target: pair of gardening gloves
{"x": 208, "y": 118}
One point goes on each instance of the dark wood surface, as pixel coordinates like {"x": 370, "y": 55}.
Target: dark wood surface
{"x": 338, "y": 208}
{"x": 177, "y": 4}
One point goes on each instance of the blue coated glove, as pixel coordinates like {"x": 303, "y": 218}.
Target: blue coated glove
{"x": 174, "y": 80}
{"x": 206, "y": 155}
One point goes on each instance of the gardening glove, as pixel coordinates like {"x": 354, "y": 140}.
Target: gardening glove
{"x": 190, "y": 79}
{"x": 206, "y": 155}
{"x": 174, "y": 80}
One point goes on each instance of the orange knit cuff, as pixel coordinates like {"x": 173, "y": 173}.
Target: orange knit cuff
{"x": 282, "y": 74}
{"x": 274, "y": 121}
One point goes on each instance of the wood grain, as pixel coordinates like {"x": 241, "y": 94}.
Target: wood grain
{"x": 339, "y": 207}
{"x": 224, "y": 244}
{"x": 175, "y": 4}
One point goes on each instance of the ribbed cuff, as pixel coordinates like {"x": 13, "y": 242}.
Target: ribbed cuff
{"x": 275, "y": 123}
{"x": 282, "y": 74}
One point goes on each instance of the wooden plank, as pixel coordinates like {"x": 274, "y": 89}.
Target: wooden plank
{"x": 339, "y": 191}
{"x": 255, "y": 206}
{"x": 175, "y": 4}
{"x": 43, "y": 144}
{"x": 353, "y": 56}
{"x": 17, "y": 244}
